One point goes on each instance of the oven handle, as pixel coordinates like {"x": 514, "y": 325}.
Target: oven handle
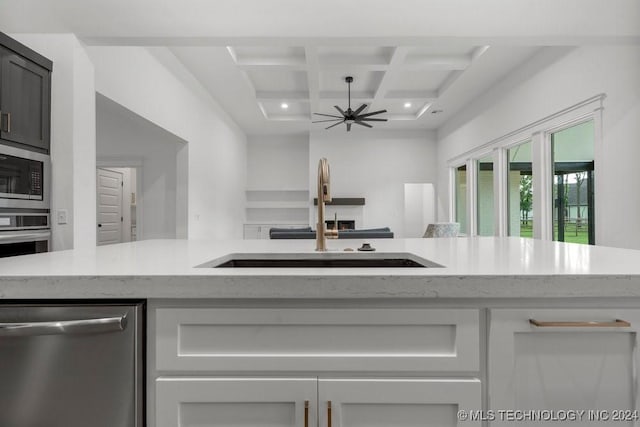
{"x": 24, "y": 237}
{"x": 64, "y": 327}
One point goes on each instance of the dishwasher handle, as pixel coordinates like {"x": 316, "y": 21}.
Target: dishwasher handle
{"x": 64, "y": 327}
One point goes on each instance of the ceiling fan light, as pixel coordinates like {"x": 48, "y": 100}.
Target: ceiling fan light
{"x": 350, "y": 116}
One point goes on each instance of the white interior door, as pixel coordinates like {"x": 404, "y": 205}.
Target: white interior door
{"x": 109, "y": 209}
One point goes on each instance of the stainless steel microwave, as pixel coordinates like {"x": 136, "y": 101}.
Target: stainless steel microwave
{"x": 24, "y": 178}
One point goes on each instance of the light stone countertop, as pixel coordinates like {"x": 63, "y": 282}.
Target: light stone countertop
{"x": 480, "y": 267}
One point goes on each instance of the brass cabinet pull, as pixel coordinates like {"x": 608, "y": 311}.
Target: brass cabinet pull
{"x": 306, "y": 413}
{"x": 615, "y": 324}
{"x": 329, "y": 413}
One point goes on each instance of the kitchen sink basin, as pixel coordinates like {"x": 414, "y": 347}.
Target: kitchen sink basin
{"x": 321, "y": 260}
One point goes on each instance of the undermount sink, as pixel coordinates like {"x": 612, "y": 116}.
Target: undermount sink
{"x": 321, "y": 260}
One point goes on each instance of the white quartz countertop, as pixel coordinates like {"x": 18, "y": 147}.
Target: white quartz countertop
{"x": 480, "y": 267}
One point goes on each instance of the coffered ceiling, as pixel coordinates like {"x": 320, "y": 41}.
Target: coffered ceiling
{"x": 290, "y": 83}
{"x": 419, "y": 86}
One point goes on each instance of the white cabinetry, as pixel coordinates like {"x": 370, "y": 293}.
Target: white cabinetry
{"x": 258, "y": 366}
{"x": 396, "y": 402}
{"x": 565, "y": 362}
{"x": 222, "y": 402}
{"x": 213, "y": 402}
{"x": 317, "y": 339}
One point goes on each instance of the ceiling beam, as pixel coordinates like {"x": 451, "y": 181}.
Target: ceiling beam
{"x": 426, "y": 95}
{"x": 313, "y": 78}
{"x": 437, "y": 62}
{"x": 397, "y": 59}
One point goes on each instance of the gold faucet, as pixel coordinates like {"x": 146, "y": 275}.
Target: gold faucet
{"x": 324, "y": 195}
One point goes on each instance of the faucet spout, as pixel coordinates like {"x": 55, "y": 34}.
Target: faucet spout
{"x": 324, "y": 195}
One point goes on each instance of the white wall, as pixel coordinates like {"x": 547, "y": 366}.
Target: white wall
{"x": 552, "y": 81}
{"x": 375, "y": 165}
{"x": 122, "y": 135}
{"x": 73, "y": 140}
{"x": 153, "y": 84}
{"x": 278, "y": 162}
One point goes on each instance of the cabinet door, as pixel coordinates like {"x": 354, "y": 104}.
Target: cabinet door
{"x": 223, "y": 402}
{"x": 397, "y": 402}
{"x": 563, "y": 366}
{"x": 24, "y": 101}
{"x": 317, "y": 340}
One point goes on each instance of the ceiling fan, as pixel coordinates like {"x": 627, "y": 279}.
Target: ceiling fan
{"x": 349, "y": 116}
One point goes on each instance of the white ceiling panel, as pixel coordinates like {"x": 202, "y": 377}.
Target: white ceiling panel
{"x": 347, "y": 56}
{"x": 363, "y": 81}
{"x": 295, "y": 110}
{"x": 266, "y": 79}
{"x": 419, "y": 80}
{"x": 268, "y": 55}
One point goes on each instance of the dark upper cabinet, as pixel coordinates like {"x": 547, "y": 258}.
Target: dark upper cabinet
{"x": 25, "y": 97}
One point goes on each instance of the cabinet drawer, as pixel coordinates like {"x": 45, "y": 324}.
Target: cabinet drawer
{"x": 317, "y": 340}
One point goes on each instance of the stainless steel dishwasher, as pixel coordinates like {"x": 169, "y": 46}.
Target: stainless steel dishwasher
{"x": 71, "y": 365}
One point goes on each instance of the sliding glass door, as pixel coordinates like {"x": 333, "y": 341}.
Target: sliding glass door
{"x": 573, "y": 179}
{"x": 520, "y": 191}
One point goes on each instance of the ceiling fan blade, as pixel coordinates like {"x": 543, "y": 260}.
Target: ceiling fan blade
{"x": 329, "y": 120}
{"x": 348, "y": 127}
{"x": 371, "y": 114}
{"x": 328, "y": 115}
{"x": 340, "y": 109}
{"x": 363, "y": 124}
{"x": 334, "y": 125}
{"x": 362, "y": 107}
{"x": 367, "y": 119}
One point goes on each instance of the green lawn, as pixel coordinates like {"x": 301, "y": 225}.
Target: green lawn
{"x": 570, "y": 235}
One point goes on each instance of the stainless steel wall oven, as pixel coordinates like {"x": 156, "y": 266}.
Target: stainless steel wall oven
{"x": 23, "y": 233}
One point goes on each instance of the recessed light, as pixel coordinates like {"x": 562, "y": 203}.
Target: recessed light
{"x": 284, "y": 105}
{"x": 437, "y": 111}
{"x": 407, "y": 105}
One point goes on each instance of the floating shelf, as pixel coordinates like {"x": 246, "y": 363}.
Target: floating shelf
{"x": 343, "y": 201}
{"x": 277, "y": 205}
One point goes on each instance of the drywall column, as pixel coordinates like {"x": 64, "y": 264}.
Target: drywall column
{"x": 542, "y": 191}
{"x": 73, "y": 138}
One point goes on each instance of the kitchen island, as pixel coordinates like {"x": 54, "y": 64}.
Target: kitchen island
{"x": 481, "y": 267}
{"x": 505, "y": 324}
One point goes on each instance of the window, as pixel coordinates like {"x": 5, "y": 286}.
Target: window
{"x": 573, "y": 174}
{"x": 461, "y": 198}
{"x": 520, "y": 191}
{"x": 485, "y": 200}
{"x": 535, "y": 181}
